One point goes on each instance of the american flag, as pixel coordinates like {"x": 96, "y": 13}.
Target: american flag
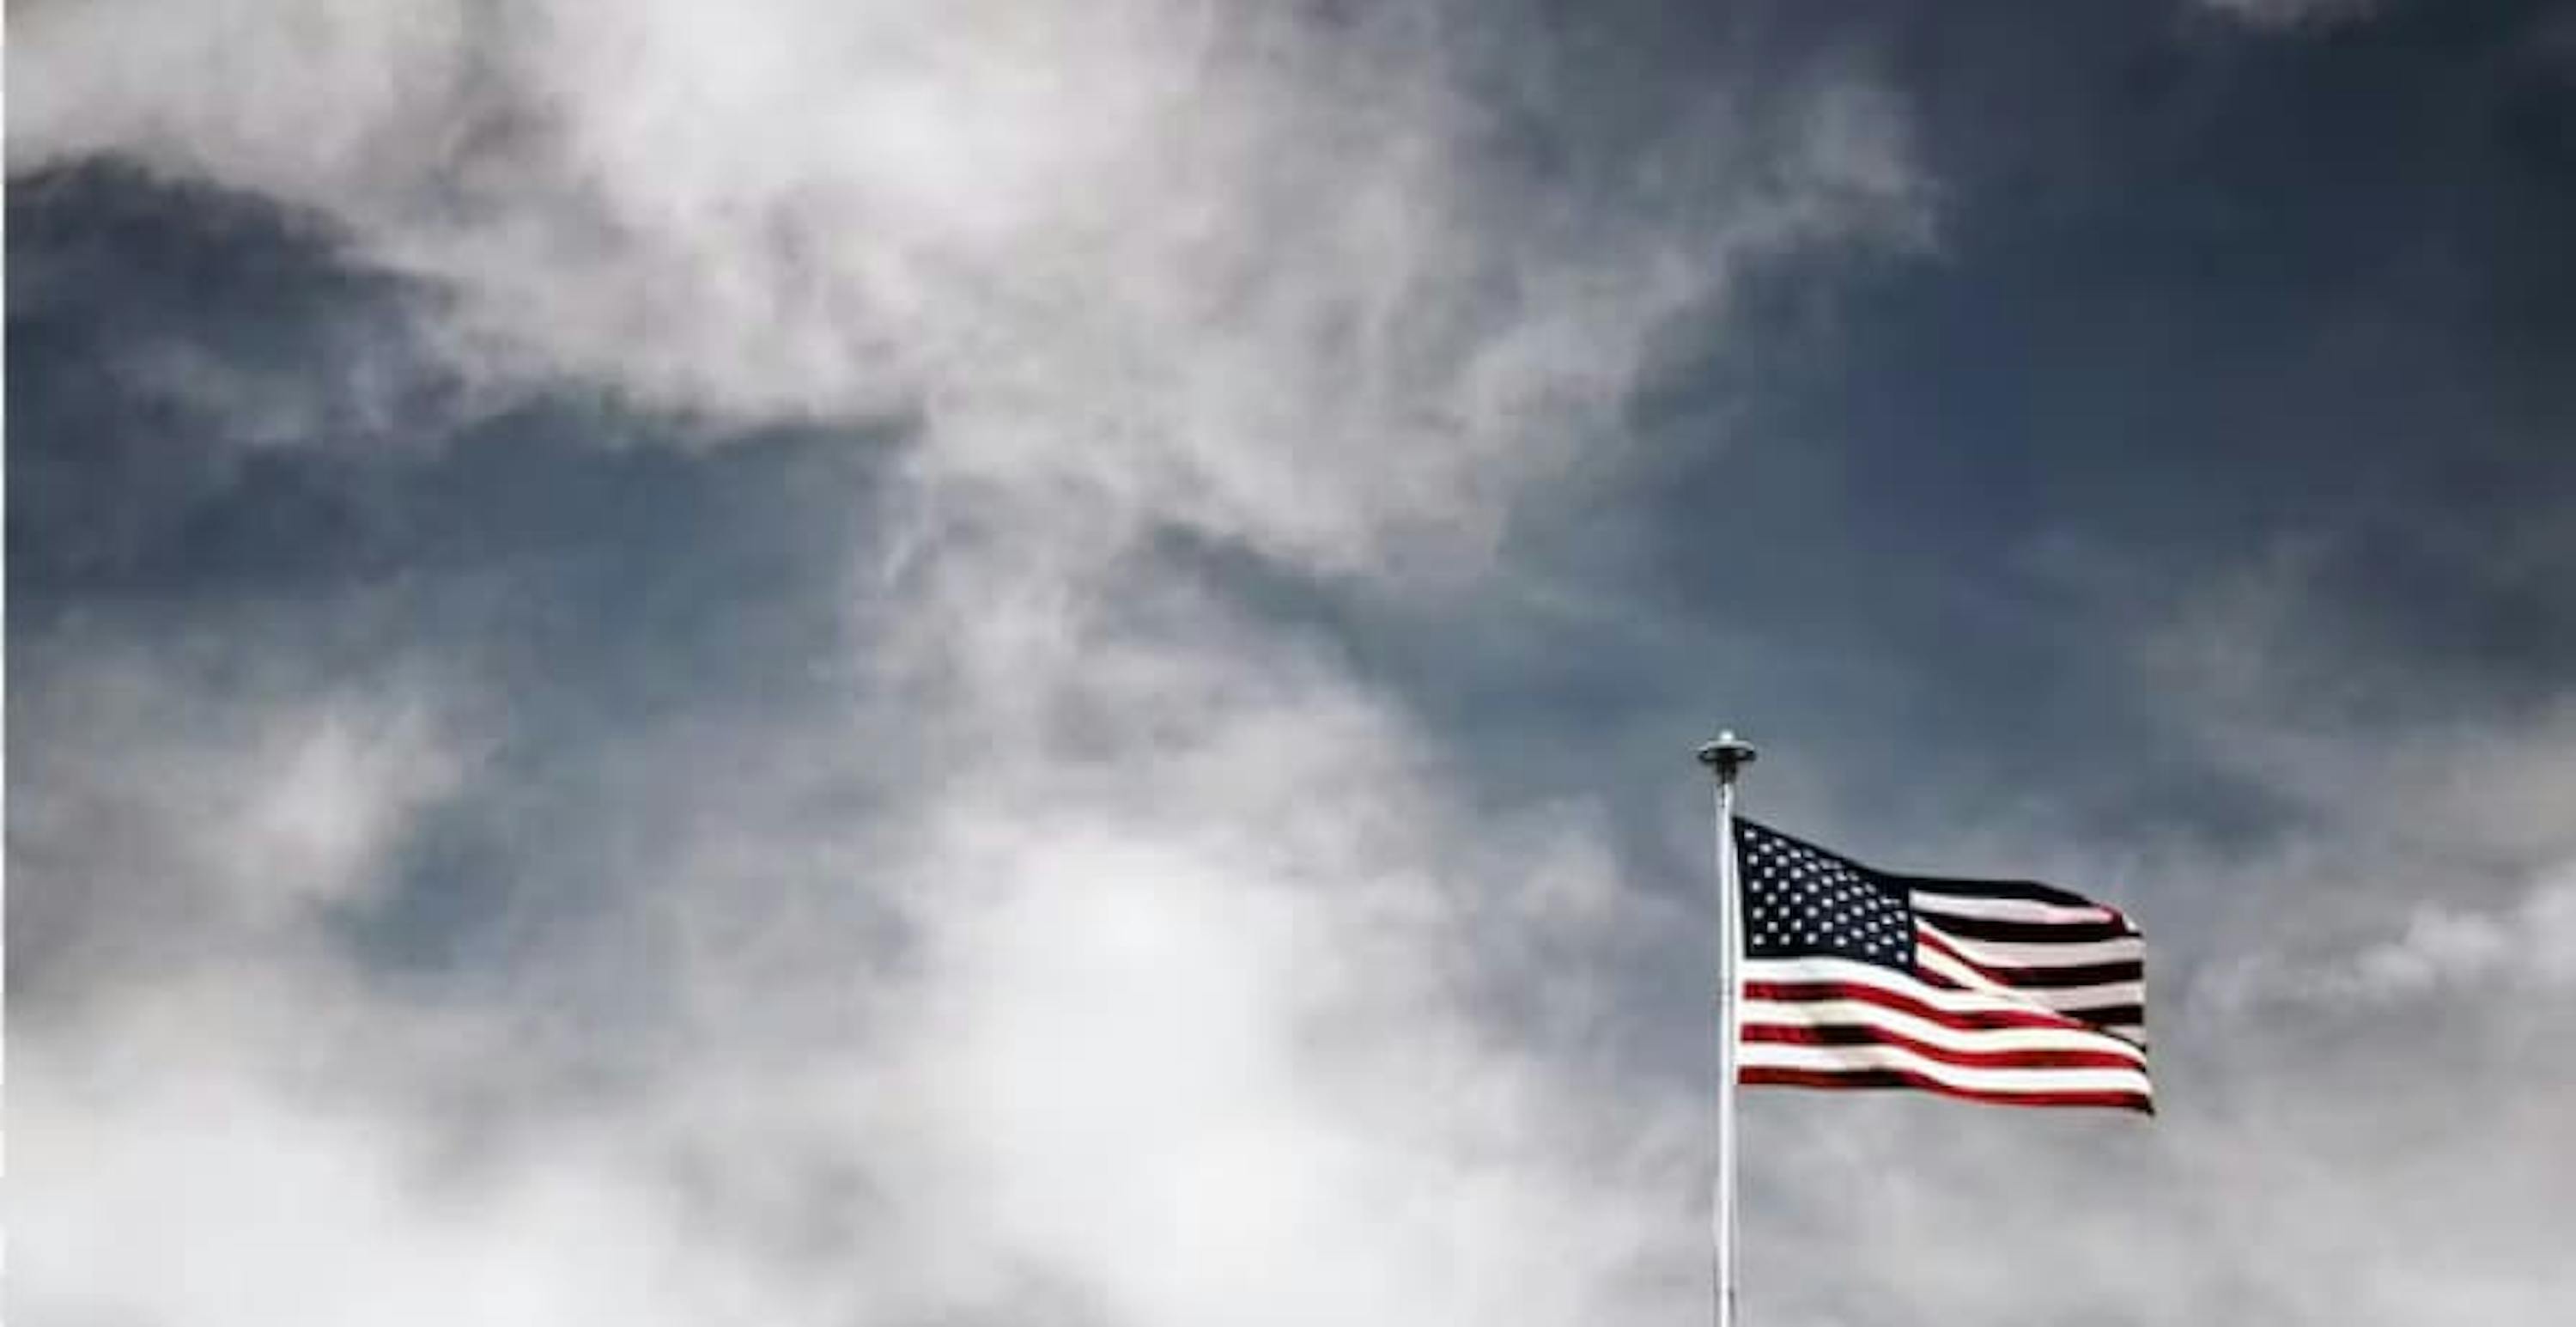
{"x": 1993, "y": 990}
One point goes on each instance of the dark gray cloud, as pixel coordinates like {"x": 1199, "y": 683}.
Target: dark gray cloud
{"x": 829, "y": 666}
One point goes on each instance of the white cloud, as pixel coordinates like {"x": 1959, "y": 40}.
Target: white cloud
{"x": 1196, "y": 1032}
{"x": 1106, "y": 953}
{"x": 2526, "y": 946}
{"x": 180, "y": 807}
{"x": 1277, "y": 277}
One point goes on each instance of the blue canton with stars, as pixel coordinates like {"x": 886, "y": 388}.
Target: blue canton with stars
{"x": 1802, "y": 902}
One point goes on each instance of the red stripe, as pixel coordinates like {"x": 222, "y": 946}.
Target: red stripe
{"x": 2035, "y": 978}
{"x": 1791, "y": 992}
{"x": 2069, "y": 931}
{"x": 1906, "y": 1078}
{"x": 2024, "y": 1058}
{"x": 2082, "y": 974}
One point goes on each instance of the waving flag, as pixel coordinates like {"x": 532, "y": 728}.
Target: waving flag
{"x": 1993, "y": 990}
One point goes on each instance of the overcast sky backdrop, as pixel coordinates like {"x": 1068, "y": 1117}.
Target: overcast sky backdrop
{"x": 998, "y": 662}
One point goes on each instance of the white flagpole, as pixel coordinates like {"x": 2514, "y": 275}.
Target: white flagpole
{"x": 1724, "y": 757}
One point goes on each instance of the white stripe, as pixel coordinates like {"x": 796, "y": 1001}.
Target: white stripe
{"x": 2072, "y": 997}
{"x": 2007, "y": 909}
{"x": 1987, "y": 998}
{"x": 1934, "y": 961}
{"x": 2090, "y": 997}
{"x": 2063, "y": 997}
{"x": 1984, "y": 995}
{"x": 2002, "y": 954}
{"x": 1831, "y": 1059}
{"x": 1861, "y": 1013}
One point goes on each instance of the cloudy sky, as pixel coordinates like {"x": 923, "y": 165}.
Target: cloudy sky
{"x": 1007, "y": 662}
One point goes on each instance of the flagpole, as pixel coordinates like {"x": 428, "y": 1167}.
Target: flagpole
{"x": 1724, "y": 758}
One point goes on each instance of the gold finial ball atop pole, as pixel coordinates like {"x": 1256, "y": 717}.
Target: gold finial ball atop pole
{"x": 1726, "y": 755}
